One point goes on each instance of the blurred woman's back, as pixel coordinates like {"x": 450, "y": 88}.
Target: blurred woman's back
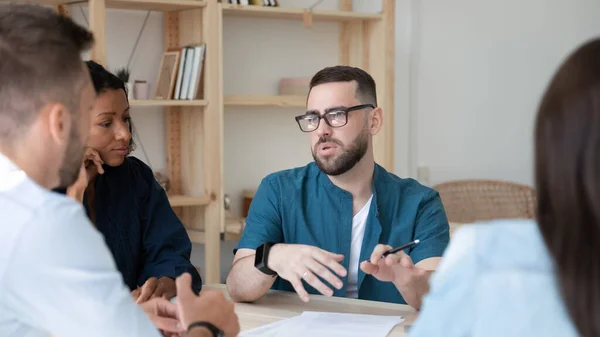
{"x": 535, "y": 278}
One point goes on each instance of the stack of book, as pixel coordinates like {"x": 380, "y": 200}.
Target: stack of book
{"x": 273, "y": 3}
{"x": 187, "y": 82}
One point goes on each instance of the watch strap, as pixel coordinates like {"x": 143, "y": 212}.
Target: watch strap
{"x": 262, "y": 258}
{"x": 211, "y": 327}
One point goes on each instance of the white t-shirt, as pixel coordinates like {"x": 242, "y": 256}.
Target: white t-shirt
{"x": 57, "y": 275}
{"x": 359, "y": 222}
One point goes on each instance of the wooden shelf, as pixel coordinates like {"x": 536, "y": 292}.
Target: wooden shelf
{"x": 265, "y": 100}
{"x": 168, "y": 102}
{"x": 295, "y": 13}
{"x": 155, "y": 5}
{"x": 196, "y": 236}
{"x": 181, "y": 200}
{"x": 234, "y": 227}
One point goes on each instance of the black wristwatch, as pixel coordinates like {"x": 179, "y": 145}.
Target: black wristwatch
{"x": 261, "y": 258}
{"x": 215, "y": 331}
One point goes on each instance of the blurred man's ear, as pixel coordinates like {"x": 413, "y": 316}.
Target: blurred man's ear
{"x": 59, "y": 122}
{"x": 375, "y": 120}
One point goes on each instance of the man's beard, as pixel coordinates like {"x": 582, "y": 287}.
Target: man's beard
{"x": 347, "y": 160}
{"x": 71, "y": 165}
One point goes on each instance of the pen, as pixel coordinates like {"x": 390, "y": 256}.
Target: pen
{"x": 395, "y": 250}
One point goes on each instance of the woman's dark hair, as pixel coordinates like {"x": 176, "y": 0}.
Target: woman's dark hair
{"x": 567, "y": 174}
{"x": 104, "y": 80}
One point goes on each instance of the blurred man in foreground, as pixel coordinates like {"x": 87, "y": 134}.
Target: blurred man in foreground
{"x": 56, "y": 273}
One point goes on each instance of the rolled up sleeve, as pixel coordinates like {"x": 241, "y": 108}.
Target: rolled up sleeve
{"x": 431, "y": 228}
{"x": 263, "y": 223}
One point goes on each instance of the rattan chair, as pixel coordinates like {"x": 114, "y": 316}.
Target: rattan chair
{"x": 468, "y": 201}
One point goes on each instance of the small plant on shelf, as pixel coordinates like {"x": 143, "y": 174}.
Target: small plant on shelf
{"x": 123, "y": 74}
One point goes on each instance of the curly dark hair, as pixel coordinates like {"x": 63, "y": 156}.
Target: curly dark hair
{"x": 105, "y": 80}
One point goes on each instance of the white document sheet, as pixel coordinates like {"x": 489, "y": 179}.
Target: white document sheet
{"x": 326, "y": 324}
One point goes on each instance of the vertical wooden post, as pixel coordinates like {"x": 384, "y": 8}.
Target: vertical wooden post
{"x": 213, "y": 140}
{"x": 173, "y": 118}
{"x": 380, "y": 64}
{"x": 344, "y": 44}
{"x": 189, "y": 158}
{"x": 173, "y": 115}
{"x": 370, "y": 45}
{"x": 97, "y": 12}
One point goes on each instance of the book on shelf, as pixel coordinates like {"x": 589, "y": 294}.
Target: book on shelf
{"x": 189, "y": 74}
{"x": 270, "y": 3}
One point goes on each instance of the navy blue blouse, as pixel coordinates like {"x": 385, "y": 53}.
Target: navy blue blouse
{"x": 145, "y": 236}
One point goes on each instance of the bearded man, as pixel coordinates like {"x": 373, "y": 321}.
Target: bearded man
{"x": 322, "y": 228}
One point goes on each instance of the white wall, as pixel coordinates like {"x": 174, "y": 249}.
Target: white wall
{"x": 479, "y": 70}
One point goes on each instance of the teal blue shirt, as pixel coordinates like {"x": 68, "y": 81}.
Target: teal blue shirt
{"x": 303, "y": 206}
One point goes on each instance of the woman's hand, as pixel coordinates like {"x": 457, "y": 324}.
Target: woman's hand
{"x": 91, "y": 166}
{"x": 153, "y": 287}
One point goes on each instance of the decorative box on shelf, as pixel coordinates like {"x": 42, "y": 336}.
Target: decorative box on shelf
{"x": 294, "y": 86}
{"x": 247, "y": 195}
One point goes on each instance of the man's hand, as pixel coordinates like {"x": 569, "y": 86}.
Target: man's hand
{"x": 153, "y": 287}
{"x": 91, "y": 166}
{"x": 296, "y": 262}
{"x": 411, "y": 281}
{"x": 210, "y": 306}
{"x": 163, "y": 314}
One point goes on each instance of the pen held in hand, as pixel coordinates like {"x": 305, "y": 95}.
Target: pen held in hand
{"x": 397, "y": 249}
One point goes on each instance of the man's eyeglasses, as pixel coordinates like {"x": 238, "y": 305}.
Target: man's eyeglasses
{"x": 335, "y": 118}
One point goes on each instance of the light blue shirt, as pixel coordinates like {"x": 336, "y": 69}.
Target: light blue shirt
{"x": 57, "y": 275}
{"x": 495, "y": 279}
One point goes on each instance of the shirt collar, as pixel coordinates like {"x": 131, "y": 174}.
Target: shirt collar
{"x": 326, "y": 182}
{"x": 10, "y": 174}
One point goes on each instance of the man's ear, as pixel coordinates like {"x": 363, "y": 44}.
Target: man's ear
{"x": 375, "y": 120}
{"x": 59, "y": 122}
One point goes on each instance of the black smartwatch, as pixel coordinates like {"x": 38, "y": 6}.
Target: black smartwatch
{"x": 215, "y": 331}
{"x": 261, "y": 258}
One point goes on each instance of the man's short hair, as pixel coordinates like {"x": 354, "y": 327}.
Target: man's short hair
{"x": 366, "y": 89}
{"x": 40, "y": 63}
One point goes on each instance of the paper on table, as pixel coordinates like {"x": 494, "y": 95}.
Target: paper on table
{"x": 269, "y": 330}
{"x": 317, "y": 324}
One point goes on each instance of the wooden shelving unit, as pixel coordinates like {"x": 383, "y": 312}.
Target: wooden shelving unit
{"x": 194, "y": 129}
{"x": 296, "y": 13}
{"x": 166, "y": 103}
{"x": 182, "y": 200}
{"x": 154, "y": 5}
{"x": 263, "y": 100}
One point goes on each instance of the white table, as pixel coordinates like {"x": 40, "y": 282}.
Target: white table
{"x": 277, "y": 305}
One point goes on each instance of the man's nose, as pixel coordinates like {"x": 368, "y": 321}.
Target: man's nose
{"x": 324, "y": 129}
